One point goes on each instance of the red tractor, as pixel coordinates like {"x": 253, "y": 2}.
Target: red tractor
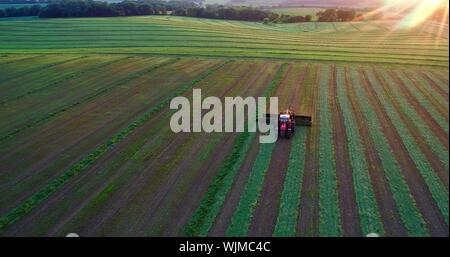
{"x": 286, "y": 123}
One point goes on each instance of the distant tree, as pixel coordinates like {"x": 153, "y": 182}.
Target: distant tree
{"x": 266, "y": 20}
{"x": 329, "y": 15}
{"x": 345, "y": 15}
{"x": 2, "y": 13}
{"x": 308, "y": 18}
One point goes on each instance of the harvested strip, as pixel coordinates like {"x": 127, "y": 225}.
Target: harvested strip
{"x": 348, "y": 208}
{"x": 422, "y": 112}
{"x": 69, "y": 75}
{"x": 330, "y": 223}
{"x": 241, "y": 219}
{"x": 420, "y": 188}
{"x": 434, "y": 85}
{"x": 408, "y": 210}
{"x": 369, "y": 215}
{"x": 87, "y": 99}
{"x": 266, "y": 209}
{"x": 27, "y": 206}
{"x": 290, "y": 198}
{"x": 389, "y": 213}
{"x": 204, "y": 217}
{"x": 308, "y": 224}
{"x": 435, "y": 153}
{"x": 440, "y": 106}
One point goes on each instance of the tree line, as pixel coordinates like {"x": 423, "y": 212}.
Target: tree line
{"x": 190, "y": 8}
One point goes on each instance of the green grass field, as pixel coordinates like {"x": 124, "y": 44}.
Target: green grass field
{"x": 86, "y": 147}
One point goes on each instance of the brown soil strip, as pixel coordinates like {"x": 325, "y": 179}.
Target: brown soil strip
{"x": 265, "y": 214}
{"x": 27, "y": 222}
{"x": 224, "y": 218}
{"x": 438, "y": 106}
{"x": 232, "y": 199}
{"x": 419, "y": 190}
{"x": 347, "y": 199}
{"x": 433, "y": 84}
{"x": 308, "y": 222}
{"x": 386, "y": 204}
{"x": 424, "y": 115}
{"x": 434, "y": 161}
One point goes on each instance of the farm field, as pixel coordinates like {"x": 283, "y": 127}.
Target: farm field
{"x": 86, "y": 147}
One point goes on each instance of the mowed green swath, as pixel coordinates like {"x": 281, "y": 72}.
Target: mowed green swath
{"x": 86, "y": 147}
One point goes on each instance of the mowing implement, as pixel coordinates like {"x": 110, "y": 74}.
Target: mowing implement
{"x": 288, "y": 120}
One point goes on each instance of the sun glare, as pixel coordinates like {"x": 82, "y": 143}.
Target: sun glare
{"x": 422, "y": 11}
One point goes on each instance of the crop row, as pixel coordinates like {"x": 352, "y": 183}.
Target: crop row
{"x": 28, "y": 205}
{"x": 23, "y": 119}
{"x": 405, "y": 203}
{"x": 290, "y": 198}
{"x": 437, "y": 189}
{"x": 329, "y": 224}
{"x": 432, "y": 141}
{"x": 203, "y": 218}
{"x": 370, "y": 220}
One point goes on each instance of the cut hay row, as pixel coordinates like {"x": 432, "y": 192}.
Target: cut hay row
{"x": 417, "y": 186}
{"x": 436, "y": 187}
{"x": 432, "y": 96}
{"x": 350, "y": 221}
{"x": 148, "y": 146}
{"x": 288, "y": 215}
{"x": 88, "y": 125}
{"x": 27, "y": 85}
{"x": 330, "y": 221}
{"x": 432, "y": 141}
{"x": 370, "y": 219}
{"x": 31, "y": 65}
{"x": 243, "y": 214}
{"x": 55, "y": 101}
{"x": 28, "y": 205}
{"x": 425, "y": 103}
{"x": 405, "y": 203}
{"x": 420, "y": 130}
{"x": 420, "y": 111}
{"x": 160, "y": 36}
{"x": 392, "y": 223}
{"x": 210, "y": 206}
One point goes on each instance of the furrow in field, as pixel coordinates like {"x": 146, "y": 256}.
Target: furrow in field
{"x": 33, "y": 65}
{"x": 27, "y": 206}
{"x": 123, "y": 169}
{"x": 90, "y": 125}
{"x": 369, "y": 214}
{"x": 425, "y": 171}
{"x": 344, "y": 172}
{"x": 437, "y": 103}
{"x": 232, "y": 198}
{"x": 27, "y": 85}
{"x": 433, "y": 122}
{"x": 391, "y": 217}
{"x": 308, "y": 221}
{"x": 435, "y": 85}
{"x": 162, "y": 202}
{"x": 383, "y": 137}
{"x": 212, "y": 202}
{"x": 33, "y": 110}
{"x": 434, "y": 151}
{"x": 330, "y": 220}
{"x": 267, "y": 208}
{"x": 288, "y": 214}
{"x": 417, "y": 173}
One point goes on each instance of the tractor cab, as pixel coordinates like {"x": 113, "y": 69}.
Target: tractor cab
{"x": 286, "y": 123}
